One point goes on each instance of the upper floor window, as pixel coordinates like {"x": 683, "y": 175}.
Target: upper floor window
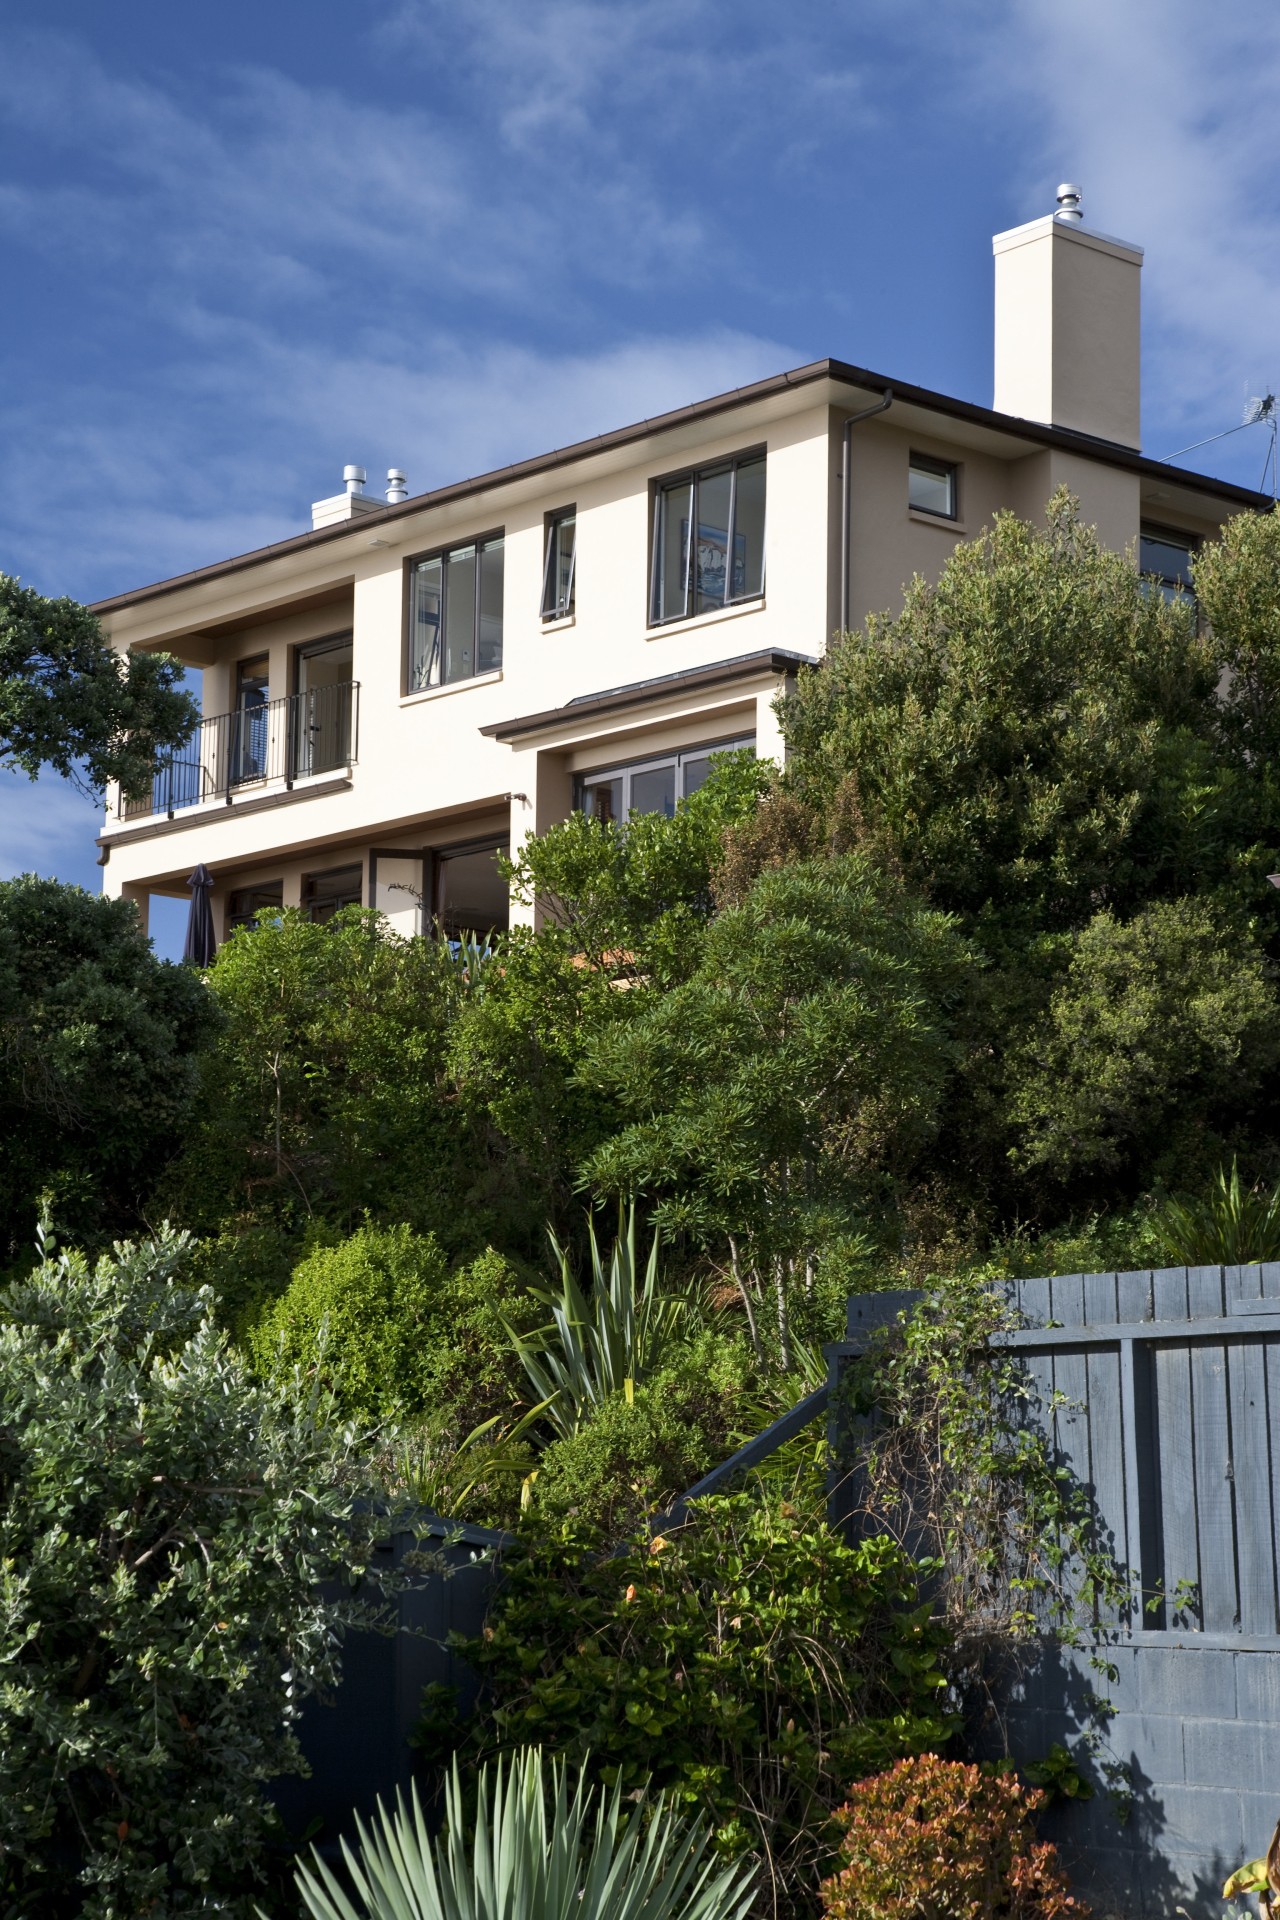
{"x": 1166, "y": 556}
{"x": 931, "y": 486}
{"x": 651, "y": 786}
{"x": 708, "y": 538}
{"x": 455, "y": 614}
{"x": 557, "y": 571}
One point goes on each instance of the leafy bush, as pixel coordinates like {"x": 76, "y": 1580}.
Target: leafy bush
{"x": 579, "y": 1859}
{"x": 324, "y": 1096}
{"x": 99, "y": 1046}
{"x": 359, "y": 1312}
{"x": 637, "y": 1452}
{"x": 936, "y": 1840}
{"x": 1162, "y": 1031}
{"x": 165, "y": 1526}
{"x": 1233, "y": 1225}
{"x": 749, "y": 1661}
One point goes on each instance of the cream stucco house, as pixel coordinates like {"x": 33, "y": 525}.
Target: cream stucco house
{"x": 415, "y": 684}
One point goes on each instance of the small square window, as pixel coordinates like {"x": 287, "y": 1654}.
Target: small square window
{"x": 324, "y": 893}
{"x": 931, "y": 486}
{"x": 558, "y": 566}
{"x": 246, "y": 903}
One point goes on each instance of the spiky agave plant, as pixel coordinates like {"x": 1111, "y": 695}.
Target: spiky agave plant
{"x": 537, "y": 1851}
{"x": 602, "y": 1339}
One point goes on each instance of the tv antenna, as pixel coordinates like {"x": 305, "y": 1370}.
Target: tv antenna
{"x": 1260, "y": 411}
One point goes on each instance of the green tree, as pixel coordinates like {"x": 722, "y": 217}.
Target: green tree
{"x": 99, "y": 1050}
{"x": 324, "y": 1096}
{"x": 1154, "y": 1046}
{"x": 70, "y": 701}
{"x": 768, "y": 1097}
{"x": 1032, "y": 739}
{"x": 166, "y": 1523}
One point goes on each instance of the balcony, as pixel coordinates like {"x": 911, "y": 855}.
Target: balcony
{"x": 276, "y": 743}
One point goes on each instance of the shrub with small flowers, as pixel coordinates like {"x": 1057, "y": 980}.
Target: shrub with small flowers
{"x": 935, "y": 1839}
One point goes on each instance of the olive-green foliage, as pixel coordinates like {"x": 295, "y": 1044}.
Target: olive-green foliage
{"x": 246, "y": 1267}
{"x": 750, "y": 1661}
{"x": 633, "y": 896}
{"x": 637, "y": 1453}
{"x": 166, "y": 1524}
{"x": 804, "y": 1059}
{"x": 99, "y": 1044}
{"x": 324, "y": 1094}
{"x": 1231, "y": 1225}
{"x": 358, "y": 1312}
{"x": 1156, "y": 1041}
{"x": 1023, "y": 741}
{"x": 393, "y": 1332}
{"x": 70, "y": 701}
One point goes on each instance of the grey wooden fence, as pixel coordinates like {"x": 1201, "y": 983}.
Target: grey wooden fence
{"x": 1161, "y": 1394}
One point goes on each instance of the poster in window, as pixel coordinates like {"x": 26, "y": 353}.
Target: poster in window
{"x": 713, "y": 559}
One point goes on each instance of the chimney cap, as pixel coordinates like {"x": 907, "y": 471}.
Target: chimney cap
{"x": 1069, "y": 207}
{"x": 397, "y": 486}
{"x": 354, "y": 479}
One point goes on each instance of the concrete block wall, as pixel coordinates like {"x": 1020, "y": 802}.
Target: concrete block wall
{"x": 1194, "y": 1731}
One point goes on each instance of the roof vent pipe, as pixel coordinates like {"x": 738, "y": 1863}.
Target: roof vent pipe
{"x": 1069, "y": 207}
{"x": 354, "y": 479}
{"x": 397, "y": 489}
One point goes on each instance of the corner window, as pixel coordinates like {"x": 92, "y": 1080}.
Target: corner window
{"x": 471, "y": 896}
{"x": 1165, "y": 556}
{"x": 931, "y": 486}
{"x": 246, "y": 903}
{"x": 708, "y": 538}
{"x": 557, "y": 570}
{"x": 455, "y": 614}
{"x": 324, "y": 893}
{"x": 651, "y": 786}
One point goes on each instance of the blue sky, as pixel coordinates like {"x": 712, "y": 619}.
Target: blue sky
{"x": 246, "y": 244}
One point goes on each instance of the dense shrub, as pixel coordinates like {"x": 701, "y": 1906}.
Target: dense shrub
{"x": 637, "y": 1453}
{"x": 165, "y": 1526}
{"x": 359, "y": 1313}
{"x": 936, "y": 1840}
{"x": 750, "y": 1660}
{"x": 98, "y": 1059}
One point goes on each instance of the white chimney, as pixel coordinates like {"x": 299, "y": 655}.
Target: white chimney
{"x": 397, "y": 486}
{"x": 347, "y": 505}
{"x": 1067, "y": 325}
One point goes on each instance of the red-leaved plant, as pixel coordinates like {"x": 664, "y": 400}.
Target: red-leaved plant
{"x": 937, "y": 1840}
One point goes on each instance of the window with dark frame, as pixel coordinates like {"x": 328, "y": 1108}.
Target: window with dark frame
{"x": 246, "y": 903}
{"x": 931, "y": 486}
{"x": 654, "y": 785}
{"x": 324, "y": 893}
{"x": 558, "y": 566}
{"x": 470, "y": 895}
{"x": 1165, "y": 556}
{"x": 455, "y": 614}
{"x": 708, "y": 538}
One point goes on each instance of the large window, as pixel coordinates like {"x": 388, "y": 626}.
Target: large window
{"x": 931, "y": 486}
{"x": 455, "y": 614}
{"x": 558, "y": 567}
{"x": 651, "y": 786}
{"x": 324, "y": 893}
{"x": 246, "y": 903}
{"x": 708, "y": 538}
{"x": 1166, "y": 556}
{"x": 471, "y": 896}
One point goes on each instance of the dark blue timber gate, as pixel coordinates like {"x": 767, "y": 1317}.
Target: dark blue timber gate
{"x": 1161, "y": 1391}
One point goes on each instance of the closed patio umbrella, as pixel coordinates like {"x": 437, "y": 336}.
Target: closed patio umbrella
{"x": 200, "y": 944}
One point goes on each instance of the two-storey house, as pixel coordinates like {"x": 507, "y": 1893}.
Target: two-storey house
{"x": 414, "y": 684}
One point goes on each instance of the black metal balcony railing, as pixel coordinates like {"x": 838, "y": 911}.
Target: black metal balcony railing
{"x": 288, "y": 740}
